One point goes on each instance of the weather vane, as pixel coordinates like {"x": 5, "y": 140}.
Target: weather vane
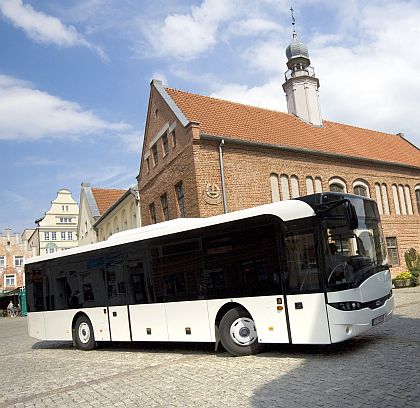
{"x": 293, "y": 21}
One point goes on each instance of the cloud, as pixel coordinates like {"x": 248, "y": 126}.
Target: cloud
{"x": 253, "y": 26}
{"x": 43, "y": 28}
{"x": 267, "y": 96}
{"x": 132, "y": 141}
{"x": 369, "y": 76}
{"x": 30, "y": 114}
{"x": 187, "y": 36}
{"x": 37, "y": 161}
{"x": 19, "y": 202}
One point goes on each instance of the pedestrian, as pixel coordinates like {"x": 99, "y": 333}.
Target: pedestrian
{"x": 11, "y": 309}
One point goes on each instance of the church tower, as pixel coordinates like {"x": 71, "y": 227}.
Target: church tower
{"x": 301, "y": 86}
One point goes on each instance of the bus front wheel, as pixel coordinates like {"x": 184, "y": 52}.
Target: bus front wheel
{"x": 238, "y": 333}
{"x": 83, "y": 334}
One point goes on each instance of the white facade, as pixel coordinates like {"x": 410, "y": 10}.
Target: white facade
{"x": 88, "y": 214}
{"x": 303, "y": 99}
{"x": 57, "y": 231}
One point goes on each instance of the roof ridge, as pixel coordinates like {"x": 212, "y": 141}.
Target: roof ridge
{"x": 286, "y": 113}
{"x": 229, "y": 101}
{"x": 109, "y": 189}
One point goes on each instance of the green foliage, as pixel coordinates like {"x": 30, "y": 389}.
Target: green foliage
{"x": 403, "y": 276}
{"x": 412, "y": 260}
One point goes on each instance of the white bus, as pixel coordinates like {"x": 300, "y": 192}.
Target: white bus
{"x": 306, "y": 271}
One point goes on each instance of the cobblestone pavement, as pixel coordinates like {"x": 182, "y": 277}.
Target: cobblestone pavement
{"x": 378, "y": 369}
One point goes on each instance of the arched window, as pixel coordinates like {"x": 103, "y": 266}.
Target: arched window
{"x": 274, "y": 183}
{"x": 309, "y": 185}
{"x": 396, "y": 199}
{"x": 284, "y": 180}
{"x": 408, "y": 200}
{"x": 294, "y": 181}
{"x": 133, "y": 212}
{"x": 108, "y": 230}
{"x": 361, "y": 188}
{"x": 385, "y": 201}
{"x": 124, "y": 221}
{"x": 337, "y": 185}
{"x": 379, "y": 198}
{"x": 116, "y": 225}
{"x": 318, "y": 185}
{"x": 402, "y": 200}
{"x": 417, "y": 190}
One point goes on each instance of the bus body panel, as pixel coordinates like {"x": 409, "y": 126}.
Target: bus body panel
{"x": 375, "y": 287}
{"x": 347, "y": 324}
{"x": 36, "y": 325}
{"x": 119, "y": 324}
{"x": 188, "y": 321}
{"x": 270, "y": 322}
{"x": 58, "y": 325}
{"x": 308, "y": 319}
{"x": 99, "y": 319}
{"x": 148, "y": 316}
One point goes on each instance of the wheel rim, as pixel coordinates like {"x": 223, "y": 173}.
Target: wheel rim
{"x": 84, "y": 333}
{"x": 243, "y": 331}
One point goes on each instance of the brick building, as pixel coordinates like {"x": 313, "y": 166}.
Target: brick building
{"x": 202, "y": 156}
{"x": 13, "y": 252}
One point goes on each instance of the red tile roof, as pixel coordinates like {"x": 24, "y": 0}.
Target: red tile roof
{"x": 105, "y": 197}
{"x": 236, "y": 121}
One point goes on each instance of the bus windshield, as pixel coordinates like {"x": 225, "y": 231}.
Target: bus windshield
{"x": 355, "y": 255}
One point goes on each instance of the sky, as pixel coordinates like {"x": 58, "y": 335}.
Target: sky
{"x": 75, "y": 78}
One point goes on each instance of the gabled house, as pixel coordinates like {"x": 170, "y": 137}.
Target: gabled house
{"x": 104, "y": 211}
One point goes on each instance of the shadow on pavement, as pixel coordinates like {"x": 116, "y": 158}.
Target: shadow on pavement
{"x": 378, "y": 369}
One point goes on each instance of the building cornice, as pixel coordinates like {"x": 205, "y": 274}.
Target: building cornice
{"x": 228, "y": 140}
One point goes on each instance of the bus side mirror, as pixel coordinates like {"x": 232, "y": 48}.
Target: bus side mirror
{"x": 351, "y": 216}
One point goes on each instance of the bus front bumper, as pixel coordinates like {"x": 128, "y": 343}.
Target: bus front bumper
{"x": 347, "y": 324}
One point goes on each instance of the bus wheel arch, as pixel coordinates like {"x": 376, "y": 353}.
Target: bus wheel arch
{"x": 82, "y": 332}
{"x": 235, "y": 329}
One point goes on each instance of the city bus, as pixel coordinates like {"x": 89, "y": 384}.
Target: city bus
{"x": 311, "y": 270}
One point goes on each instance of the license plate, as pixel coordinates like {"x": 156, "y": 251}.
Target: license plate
{"x": 377, "y": 320}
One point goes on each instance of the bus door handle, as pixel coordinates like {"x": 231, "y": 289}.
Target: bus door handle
{"x": 298, "y": 305}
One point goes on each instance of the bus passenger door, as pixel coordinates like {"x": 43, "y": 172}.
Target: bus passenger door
{"x": 117, "y": 297}
{"x": 118, "y": 322}
{"x": 308, "y": 321}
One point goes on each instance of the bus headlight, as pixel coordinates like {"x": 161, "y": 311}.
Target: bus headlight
{"x": 347, "y": 306}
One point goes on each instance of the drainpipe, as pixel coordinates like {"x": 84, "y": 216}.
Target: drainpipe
{"x": 222, "y": 174}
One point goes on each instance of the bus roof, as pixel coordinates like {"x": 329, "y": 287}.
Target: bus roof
{"x": 284, "y": 210}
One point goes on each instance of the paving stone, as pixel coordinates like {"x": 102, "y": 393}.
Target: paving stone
{"x": 377, "y": 369}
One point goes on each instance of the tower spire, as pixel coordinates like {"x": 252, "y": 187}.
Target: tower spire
{"x": 301, "y": 86}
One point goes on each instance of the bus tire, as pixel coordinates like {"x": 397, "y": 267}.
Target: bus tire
{"x": 83, "y": 334}
{"x": 238, "y": 333}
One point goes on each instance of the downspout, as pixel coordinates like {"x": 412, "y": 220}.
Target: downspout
{"x": 222, "y": 175}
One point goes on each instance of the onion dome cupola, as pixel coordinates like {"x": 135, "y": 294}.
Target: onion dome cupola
{"x": 296, "y": 48}
{"x": 301, "y": 86}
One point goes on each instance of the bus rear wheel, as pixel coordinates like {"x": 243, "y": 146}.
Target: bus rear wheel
{"x": 83, "y": 334}
{"x": 238, "y": 333}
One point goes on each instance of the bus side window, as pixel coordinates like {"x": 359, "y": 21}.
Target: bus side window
{"x": 303, "y": 272}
